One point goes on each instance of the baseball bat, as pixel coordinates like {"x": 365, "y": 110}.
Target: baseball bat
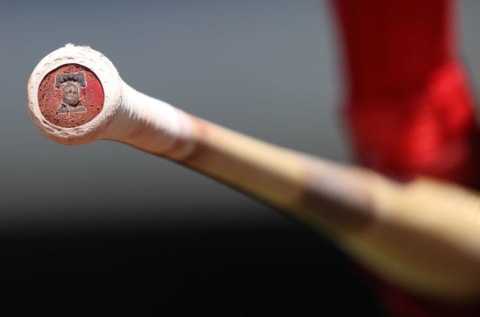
{"x": 421, "y": 235}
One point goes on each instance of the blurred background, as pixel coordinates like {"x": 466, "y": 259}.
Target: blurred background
{"x": 104, "y": 228}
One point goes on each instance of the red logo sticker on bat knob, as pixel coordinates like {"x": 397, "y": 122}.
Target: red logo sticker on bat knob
{"x": 70, "y": 96}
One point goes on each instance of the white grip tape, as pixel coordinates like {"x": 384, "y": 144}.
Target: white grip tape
{"x": 127, "y": 116}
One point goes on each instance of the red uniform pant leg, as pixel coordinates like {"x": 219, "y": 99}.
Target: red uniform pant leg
{"x": 408, "y": 108}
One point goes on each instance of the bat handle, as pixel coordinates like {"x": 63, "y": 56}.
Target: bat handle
{"x": 150, "y": 124}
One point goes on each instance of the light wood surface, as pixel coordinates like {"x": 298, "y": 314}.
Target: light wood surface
{"x": 423, "y": 236}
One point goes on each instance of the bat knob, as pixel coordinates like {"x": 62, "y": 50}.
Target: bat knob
{"x": 73, "y": 94}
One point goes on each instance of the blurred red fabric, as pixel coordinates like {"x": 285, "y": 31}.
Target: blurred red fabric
{"x": 408, "y": 108}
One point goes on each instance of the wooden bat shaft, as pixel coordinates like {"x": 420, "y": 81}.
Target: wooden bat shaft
{"x": 421, "y": 235}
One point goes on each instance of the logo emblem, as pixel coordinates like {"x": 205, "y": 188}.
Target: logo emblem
{"x": 70, "y": 96}
{"x": 71, "y": 85}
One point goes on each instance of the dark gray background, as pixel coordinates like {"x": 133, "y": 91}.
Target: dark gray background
{"x": 267, "y": 68}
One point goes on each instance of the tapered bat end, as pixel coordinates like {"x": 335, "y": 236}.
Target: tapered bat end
{"x": 73, "y": 94}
